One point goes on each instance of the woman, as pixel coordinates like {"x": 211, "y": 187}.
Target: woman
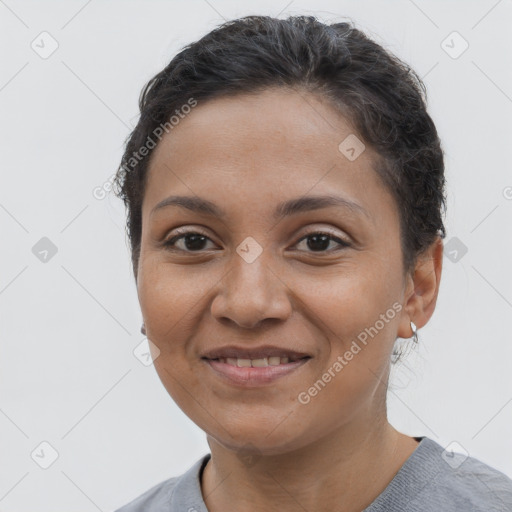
{"x": 285, "y": 192}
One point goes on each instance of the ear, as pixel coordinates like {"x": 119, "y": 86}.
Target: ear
{"x": 422, "y": 289}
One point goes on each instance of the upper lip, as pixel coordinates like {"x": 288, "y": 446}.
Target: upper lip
{"x": 253, "y": 353}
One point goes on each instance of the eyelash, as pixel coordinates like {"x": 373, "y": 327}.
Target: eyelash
{"x": 169, "y": 244}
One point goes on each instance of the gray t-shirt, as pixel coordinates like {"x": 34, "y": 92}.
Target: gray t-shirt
{"x": 430, "y": 480}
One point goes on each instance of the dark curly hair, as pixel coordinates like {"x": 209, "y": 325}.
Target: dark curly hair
{"x": 382, "y": 97}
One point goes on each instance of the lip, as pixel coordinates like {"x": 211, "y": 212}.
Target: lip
{"x": 234, "y": 351}
{"x": 249, "y": 376}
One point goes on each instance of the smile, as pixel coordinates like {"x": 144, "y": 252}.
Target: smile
{"x": 255, "y": 363}
{"x": 254, "y": 372}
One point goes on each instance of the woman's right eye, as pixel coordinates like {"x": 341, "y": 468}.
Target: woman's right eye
{"x": 192, "y": 241}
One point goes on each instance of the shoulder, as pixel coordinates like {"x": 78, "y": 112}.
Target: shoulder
{"x": 174, "y": 494}
{"x": 476, "y": 486}
{"x": 154, "y": 499}
{"x": 434, "y": 479}
{"x": 461, "y": 482}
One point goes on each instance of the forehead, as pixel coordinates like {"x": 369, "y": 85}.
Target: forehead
{"x": 263, "y": 147}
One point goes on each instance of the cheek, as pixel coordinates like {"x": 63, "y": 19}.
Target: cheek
{"x": 169, "y": 298}
{"x": 346, "y": 301}
{"x": 356, "y": 314}
{"x": 183, "y": 385}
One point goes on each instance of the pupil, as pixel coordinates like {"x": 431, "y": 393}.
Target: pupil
{"x": 315, "y": 246}
{"x": 194, "y": 242}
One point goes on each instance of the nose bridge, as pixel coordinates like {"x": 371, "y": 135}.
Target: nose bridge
{"x": 252, "y": 272}
{"x": 251, "y": 291}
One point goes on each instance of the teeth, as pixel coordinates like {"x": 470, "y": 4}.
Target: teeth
{"x": 259, "y": 362}
{"x": 265, "y": 361}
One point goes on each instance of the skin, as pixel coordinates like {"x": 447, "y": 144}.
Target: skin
{"x": 246, "y": 154}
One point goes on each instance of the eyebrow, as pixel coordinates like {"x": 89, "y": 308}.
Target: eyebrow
{"x": 285, "y": 209}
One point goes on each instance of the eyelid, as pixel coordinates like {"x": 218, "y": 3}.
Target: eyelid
{"x": 327, "y": 231}
{"x": 178, "y": 232}
{"x": 186, "y": 231}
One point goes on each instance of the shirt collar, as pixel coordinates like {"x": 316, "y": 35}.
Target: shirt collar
{"x": 187, "y": 495}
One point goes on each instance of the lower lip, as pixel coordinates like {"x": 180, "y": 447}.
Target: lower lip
{"x": 254, "y": 376}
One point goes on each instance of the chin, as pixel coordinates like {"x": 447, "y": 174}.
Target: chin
{"x": 256, "y": 441}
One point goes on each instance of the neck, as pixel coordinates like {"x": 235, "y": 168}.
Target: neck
{"x": 346, "y": 471}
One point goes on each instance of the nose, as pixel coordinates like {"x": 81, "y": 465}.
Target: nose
{"x": 251, "y": 293}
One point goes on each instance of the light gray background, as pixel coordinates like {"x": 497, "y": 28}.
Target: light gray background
{"x": 68, "y": 375}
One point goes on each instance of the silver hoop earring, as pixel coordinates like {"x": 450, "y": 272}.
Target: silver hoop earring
{"x": 414, "y": 332}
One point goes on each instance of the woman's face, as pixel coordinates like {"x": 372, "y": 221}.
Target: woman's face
{"x": 268, "y": 275}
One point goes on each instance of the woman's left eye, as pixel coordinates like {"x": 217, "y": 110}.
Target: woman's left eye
{"x": 317, "y": 241}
